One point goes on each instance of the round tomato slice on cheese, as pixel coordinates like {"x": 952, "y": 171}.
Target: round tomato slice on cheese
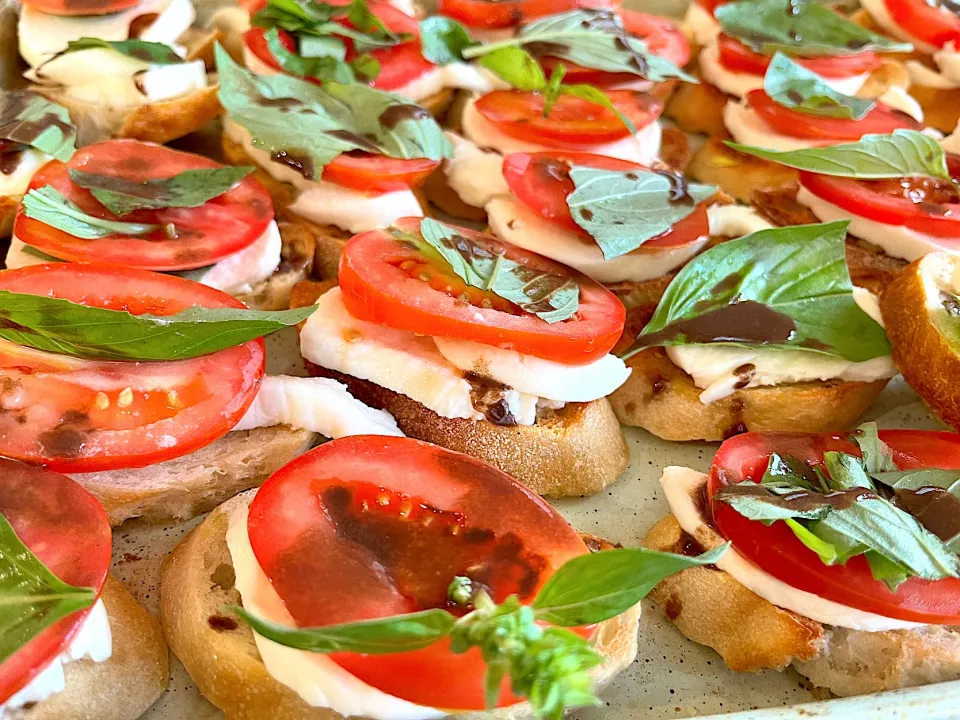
{"x": 67, "y": 529}
{"x": 400, "y": 65}
{"x": 541, "y": 181}
{"x": 776, "y": 550}
{"x": 80, "y": 7}
{"x": 76, "y": 415}
{"x": 572, "y": 121}
{"x": 186, "y": 238}
{"x": 882, "y": 119}
{"x": 931, "y": 23}
{"x": 386, "y": 280}
{"x": 923, "y": 204}
{"x": 737, "y": 57}
{"x": 378, "y": 173}
{"x": 491, "y": 14}
{"x": 367, "y": 527}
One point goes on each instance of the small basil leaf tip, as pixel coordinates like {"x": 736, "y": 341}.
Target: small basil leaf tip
{"x": 49, "y": 206}
{"x": 793, "y": 86}
{"x": 153, "y": 53}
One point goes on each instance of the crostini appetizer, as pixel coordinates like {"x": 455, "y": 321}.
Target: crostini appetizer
{"x": 74, "y": 640}
{"x": 492, "y": 22}
{"x": 843, "y": 561}
{"x": 383, "y": 577}
{"x": 150, "y": 390}
{"x": 117, "y": 66}
{"x": 480, "y": 347}
{"x": 764, "y": 333}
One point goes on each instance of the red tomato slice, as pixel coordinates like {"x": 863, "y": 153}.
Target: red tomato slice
{"x": 882, "y": 119}
{"x": 572, "y": 122}
{"x": 400, "y": 65}
{"x": 378, "y": 173}
{"x": 381, "y": 281}
{"x": 256, "y": 42}
{"x": 662, "y": 38}
{"x": 933, "y": 25}
{"x": 710, "y": 5}
{"x": 80, "y": 7}
{"x": 737, "y": 57}
{"x": 76, "y": 415}
{"x": 509, "y": 13}
{"x": 219, "y": 228}
{"x": 776, "y": 550}
{"x": 67, "y": 529}
{"x": 541, "y": 182}
{"x": 367, "y": 527}
{"x": 925, "y": 205}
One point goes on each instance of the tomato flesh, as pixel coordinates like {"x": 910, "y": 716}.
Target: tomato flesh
{"x": 400, "y": 65}
{"x": 367, "y": 527}
{"x": 777, "y": 551}
{"x": 922, "y": 204}
{"x": 573, "y": 122}
{"x": 382, "y": 281}
{"x": 737, "y": 57}
{"x": 74, "y": 8}
{"x": 541, "y": 181}
{"x": 67, "y": 529}
{"x": 75, "y": 415}
{"x": 933, "y": 25}
{"x": 202, "y": 235}
{"x": 493, "y": 14}
{"x": 378, "y": 173}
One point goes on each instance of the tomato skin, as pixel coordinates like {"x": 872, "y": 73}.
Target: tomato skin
{"x": 882, "y": 119}
{"x": 400, "y": 65}
{"x": 737, "y": 57}
{"x": 540, "y": 182}
{"x": 378, "y": 173}
{"x": 573, "y": 122}
{"x": 494, "y": 14}
{"x": 300, "y": 516}
{"x": 255, "y": 40}
{"x": 67, "y": 529}
{"x": 221, "y": 227}
{"x": 376, "y": 289}
{"x": 777, "y": 551}
{"x": 941, "y": 220}
{"x": 77, "y": 8}
{"x": 58, "y": 423}
{"x": 930, "y": 24}
{"x": 710, "y": 5}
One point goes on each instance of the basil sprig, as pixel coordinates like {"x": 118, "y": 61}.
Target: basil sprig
{"x": 623, "y": 209}
{"x": 306, "y": 126}
{"x": 67, "y": 328}
{"x": 49, "y": 206}
{"x": 904, "y": 153}
{"x": 30, "y": 120}
{"x": 31, "y": 597}
{"x": 547, "y": 665}
{"x": 793, "y": 86}
{"x": 153, "y": 53}
{"x": 552, "y": 297}
{"x": 780, "y": 288}
{"x": 799, "y": 27}
{"x": 187, "y": 189}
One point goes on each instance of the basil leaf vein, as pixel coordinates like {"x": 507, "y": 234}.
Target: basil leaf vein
{"x": 49, "y": 206}
{"x": 29, "y": 119}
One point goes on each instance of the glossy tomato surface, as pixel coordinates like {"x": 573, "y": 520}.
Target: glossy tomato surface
{"x": 387, "y": 281}
{"x": 67, "y": 529}
{"x": 541, "y": 181}
{"x": 933, "y": 25}
{"x": 80, "y": 7}
{"x": 572, "y": 122}
{"x": 882, "y": 119}
{"x": 76, "y": 415}
{"x": 922, "y": 204}
{"x": 737, "y": 57}
{"x": 370, "y": 526}
{"x": 378, "y": 173}
{"x": 777, "y": 551}
{"x": 492, "y": 14}
{"x": 187, "y": 237}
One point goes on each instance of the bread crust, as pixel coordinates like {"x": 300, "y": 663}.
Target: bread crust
{"x": 184, "y": 487}
{"x": 941, "y": 106}
{"x": 737, "y": 173}
{"x": 8, "y": 213}
{"x": 221, "y": 655}
{"x": 122, "y": 687}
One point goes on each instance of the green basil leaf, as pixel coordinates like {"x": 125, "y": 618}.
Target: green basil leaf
{"x": 877, "y": 457}
{"x": 793, "y": 86}
{"x": 328, "y": 68}
{"x": 370, "y": 32}
{"x": 597, "y": 97}
{"x": 762, "y": 502}
{"x": 623, "y": 209}
{"x": 66, "y": 328}
{"x": 827, "y": 551}
{"x": 27, "y": 118}
{"x": 31, "y": 597}
{"x": 846, "y": 472}
{"x": 597, "y": 586}
{"x": 551, "y": 297}
{"x": 307, "y": 126}
{"x": 149, "y": 52}
{"x": 786, "y": 469}
{"x": 886, "y": 570}
{"x": 50, "y": 207}
{"x": 553, "y": 89}
{"x": 799, "y": 27}
{"x": 443, "y": 40}
{"x": 930, "y": 495}
{"x": 188, "y": 189}
{"x": 366, "y": 66}
{"x": 397, "y": 634}
{"x": 905, "y": 153}
{"x": 306, "y": 12}
{"x": 948, "y": 480}
{"x": 516, "y": 67}
{"x": 791, "y": 284}
{"x": 316, "y": 46}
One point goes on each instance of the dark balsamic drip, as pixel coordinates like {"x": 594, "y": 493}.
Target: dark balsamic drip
{"x": 358, "y": 140}
{"x": 730, "y": 282}
{"x": 802, "y": 500}
{"x": 283, "y": 104}
{"x": 68, "y": 438}
{"x": 951, "y": 6}
{"x": 486, "y": 395}
{"x": 935, "y": 508}
{"x": 10, "y": 155}
{"x": 396, "y": 114}
{"x": 746, "y": 322}
{"x": 744, "y": 375}
{"x": 220, "y": 623}
{"x": 302, "y": 163}
{"x": 25, "y": 132}
{"x": 679, "y": 190}
{"x": 795, "y": 96}
{"x": 951, "y": 303}
{"x": 539, "y": 48}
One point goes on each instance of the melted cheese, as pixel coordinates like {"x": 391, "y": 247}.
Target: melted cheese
{"x": 14, "y": 184}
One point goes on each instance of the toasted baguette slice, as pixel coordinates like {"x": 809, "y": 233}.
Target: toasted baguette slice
{"x": 922, "y": 316}
{"x": 184, "y": 487}
{"x": 576, "y": 450}
{"x": 122, "y": 687}
{"x": 941, "y": 106}
{"x": 8, "y": 212}
{"x": 221, "y": 656}
{"x": 737, "y": 173}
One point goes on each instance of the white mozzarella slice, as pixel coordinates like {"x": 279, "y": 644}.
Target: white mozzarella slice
{"x": 735, "y": 221}
{"x": 238, "y": 273}
{"x": 459, "y": 75}
{"x": 14, "y": 183}
{"x": 18, "y": 255}
{"x": 475, "y": 175}
{"x": 165, "y": 82}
